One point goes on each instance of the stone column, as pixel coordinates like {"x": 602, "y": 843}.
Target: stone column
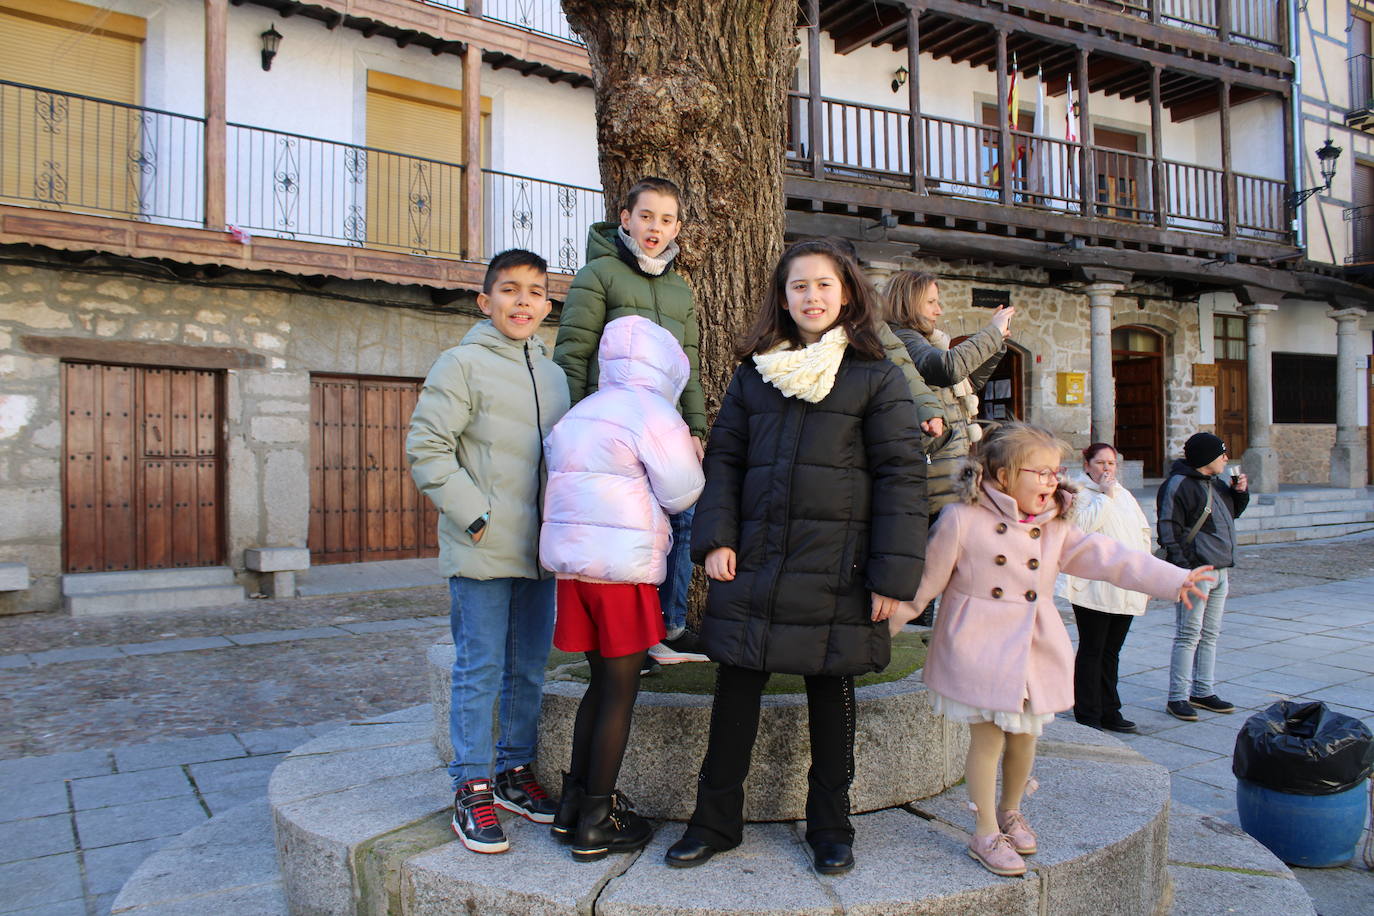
{"x": 1102, "y": 386}
{"x": 1260, "y": 461}
{"x": 1348, "y": 455}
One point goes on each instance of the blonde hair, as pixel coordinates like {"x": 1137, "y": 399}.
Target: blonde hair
{"x": 905, "y": 291}
{"x": 1010, "y": 445}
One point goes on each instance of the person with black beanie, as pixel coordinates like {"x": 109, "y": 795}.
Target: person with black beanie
{"x": 1197, "y": 510}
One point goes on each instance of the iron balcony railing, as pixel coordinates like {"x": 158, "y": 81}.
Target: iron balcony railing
{"x": 543, "y": 216}
{"x": 1361, "y": 68}
{"x": 871, "y": 145}
{"x": 1361, "y": 220}
{"x": 62, "y": 151}
{"x": 542, "y": 16}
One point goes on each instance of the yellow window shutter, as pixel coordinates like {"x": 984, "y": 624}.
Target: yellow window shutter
{"x": 71, "y": 47}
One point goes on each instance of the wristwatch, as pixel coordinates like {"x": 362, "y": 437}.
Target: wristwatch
{"x": 476, "y": 527}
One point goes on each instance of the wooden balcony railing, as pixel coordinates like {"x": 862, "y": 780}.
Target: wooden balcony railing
{"x": 542, "y": 16}
{"x": 1259, "y": 23}
{"x": 62, "y": 151}
{"x": 870, "y": 145}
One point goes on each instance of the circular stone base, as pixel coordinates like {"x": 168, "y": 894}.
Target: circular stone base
{"x": 902, "y": 750}
{"x": 361, "y": 824}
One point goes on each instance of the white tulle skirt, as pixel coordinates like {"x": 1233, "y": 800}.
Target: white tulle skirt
{"x": 1016, "y": 723}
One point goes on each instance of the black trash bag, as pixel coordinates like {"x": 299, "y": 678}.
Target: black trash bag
{"x": 1303, "y": 749}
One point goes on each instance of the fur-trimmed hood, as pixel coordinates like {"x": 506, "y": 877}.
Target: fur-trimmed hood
{"x": 968, "y": 486}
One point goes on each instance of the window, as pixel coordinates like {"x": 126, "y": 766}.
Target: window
{"x": 1304, "y": 388}
{"x": 1228, "y": 332}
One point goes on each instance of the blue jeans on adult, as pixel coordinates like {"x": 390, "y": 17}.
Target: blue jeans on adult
{"x": 1196, "y": 630}
{"x": 502, "y": 631}
{"x": 672, "y": 593}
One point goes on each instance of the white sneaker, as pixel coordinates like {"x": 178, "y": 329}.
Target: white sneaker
{"x": 667, "y": 656}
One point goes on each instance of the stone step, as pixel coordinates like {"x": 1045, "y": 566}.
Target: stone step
{"x": 89, "y": 594}
{"x": 361, "y": 825}
{"x": 903, "y": 750}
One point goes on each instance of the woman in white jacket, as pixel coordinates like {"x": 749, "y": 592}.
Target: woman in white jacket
{"x": 1103, "y": 611}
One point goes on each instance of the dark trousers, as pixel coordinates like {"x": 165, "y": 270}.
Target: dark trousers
{"x": 719, "y": 816}
{"x": 1100, "y": 637}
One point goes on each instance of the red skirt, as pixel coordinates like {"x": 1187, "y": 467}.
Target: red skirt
{"x": 612, "y": 619}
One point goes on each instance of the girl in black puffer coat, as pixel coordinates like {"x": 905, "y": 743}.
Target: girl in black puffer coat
{"x": 813, "y": 519}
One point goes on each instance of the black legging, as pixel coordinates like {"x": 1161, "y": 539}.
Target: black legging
{"x": 1100, "y": 637}
{"x": 602, "y": 726}
{"x": 719, "y": 815}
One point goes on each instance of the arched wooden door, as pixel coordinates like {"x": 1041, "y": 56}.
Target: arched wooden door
{"x": 1138, "y": 369}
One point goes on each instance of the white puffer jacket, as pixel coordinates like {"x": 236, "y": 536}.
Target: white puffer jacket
{"x": 1118, "y": 516}
{"x": 619, "y": 460}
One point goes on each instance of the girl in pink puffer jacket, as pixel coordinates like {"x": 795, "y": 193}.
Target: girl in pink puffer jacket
{"x": 619, "y": 463}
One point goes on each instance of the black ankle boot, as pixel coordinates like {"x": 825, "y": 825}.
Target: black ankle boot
{"x": 569, "y": 807}
{"x": 608, "y": 824}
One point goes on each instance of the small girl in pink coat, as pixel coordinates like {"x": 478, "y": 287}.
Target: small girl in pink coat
{"x": 1000, "y": 658}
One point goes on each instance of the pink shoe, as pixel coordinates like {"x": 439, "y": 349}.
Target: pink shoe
{"x": 997, "y": 855}
{"x": 1013, "y": 824}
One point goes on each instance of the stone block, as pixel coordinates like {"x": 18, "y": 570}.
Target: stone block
{"x": 286, "y": 497}
{"x": 119, "y": 788}
{"x": 232, "y": 854}
{"x": 21, "y": 772}
{"x": 903, "y": 750}
{"x": 279, "y": 430}
{"x": 177, "y": 751}
{"x": 34, "y": 800}
{"x": 1201, "y": 840}
{"x": 35, "y": 837}
{"x": 276, "y": 559}
{"x": 140, "y": 821}
{"x": 1207, "y": 891}
{"x": 108, "y": 867}
{"x": 536, "y": 877}
{"x": 317, "y": 837}
{"x": 238, "y": 773}
{"x": 42, "y": 882}
{"x": 308, "y": 772}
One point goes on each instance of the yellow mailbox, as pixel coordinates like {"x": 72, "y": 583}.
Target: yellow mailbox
{"x": 1071, "y": 388}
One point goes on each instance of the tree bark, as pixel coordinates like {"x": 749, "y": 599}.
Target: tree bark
{"x": 696, "y": 93}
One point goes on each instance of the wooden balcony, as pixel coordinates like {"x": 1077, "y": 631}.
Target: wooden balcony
{"x": 1360, "y": 221}
{"x": 1361, "y": 112}
{"x": 1129, "y": 198}
{"x": 531, "y": 36}
{"x": 85, "y": 174}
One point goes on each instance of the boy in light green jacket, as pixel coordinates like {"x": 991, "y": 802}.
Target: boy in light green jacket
{"x": 476, "y": 449}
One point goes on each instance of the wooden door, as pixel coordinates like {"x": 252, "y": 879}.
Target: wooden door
{"x": 142, "y": 468}
{"x": 1232, "y": 423}
{"x": 1362, "y": 225}
{"x": 363, "y": 504}
{"x": 1119, "y": 174}
{"x": 1138, "y": 372}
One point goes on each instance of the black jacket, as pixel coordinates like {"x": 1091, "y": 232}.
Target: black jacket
{"x": 1181, "y": 499}
{"x": 823, "y": 503}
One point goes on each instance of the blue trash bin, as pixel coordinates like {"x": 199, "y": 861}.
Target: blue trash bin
{"x": 1302, "y": 781}
{"x": 1313, "y": 831}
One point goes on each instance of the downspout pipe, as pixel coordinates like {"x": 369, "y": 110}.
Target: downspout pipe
{"x": 1295, "y": 114}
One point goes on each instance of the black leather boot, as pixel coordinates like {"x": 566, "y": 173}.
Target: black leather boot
{"x": 569, "y": 807}
{"x": 608, "y": 824}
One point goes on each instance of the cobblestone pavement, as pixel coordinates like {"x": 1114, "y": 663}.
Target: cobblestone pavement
{"x": 122, "y": 732}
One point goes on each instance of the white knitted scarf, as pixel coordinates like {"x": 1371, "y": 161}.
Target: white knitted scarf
{"x": 807, "y": 373}
{"x": 652, "y": 266}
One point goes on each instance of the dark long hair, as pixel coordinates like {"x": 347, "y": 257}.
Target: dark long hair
{"x": 774, "y": 323}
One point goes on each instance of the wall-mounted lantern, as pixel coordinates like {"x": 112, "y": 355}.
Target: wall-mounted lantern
{"x": 899, "y": 78}
{"x": 270, "y": 39}
{"x": 1326, "y": 158}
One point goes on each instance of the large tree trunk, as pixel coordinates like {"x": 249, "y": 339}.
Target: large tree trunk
{"x": 696, "y": 92}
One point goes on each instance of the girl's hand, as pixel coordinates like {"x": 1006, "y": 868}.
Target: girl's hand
{"x": 1190, "y": 585}
{"x": 935, "y": 426}
{"x": 720, "y": 564}
{"x": 699, "y": 448}
{"x": 883, "y": 606}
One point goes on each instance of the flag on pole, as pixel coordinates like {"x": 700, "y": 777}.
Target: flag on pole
{"x": 1039, "y": 163}
{"x": 1070, "y": 121}
{"x": 1013, "y": 99}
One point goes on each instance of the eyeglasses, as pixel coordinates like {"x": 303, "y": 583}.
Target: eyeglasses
{"x": 1047, "y": 475}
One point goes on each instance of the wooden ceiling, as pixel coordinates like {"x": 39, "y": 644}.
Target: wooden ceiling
{"x": 853, "y": 25}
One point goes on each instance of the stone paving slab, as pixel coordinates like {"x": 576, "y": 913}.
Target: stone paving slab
{"x": 25, "y": 770}
{"x": 177, "y": 751}
{"x": 138, "y": 821}
{"x": 121, "y": 788}
{"x": 44, "y": 881}
{"x": 35, "y": 800}
{"x": 186, "y": 644}
{"x": 38, "y": 836}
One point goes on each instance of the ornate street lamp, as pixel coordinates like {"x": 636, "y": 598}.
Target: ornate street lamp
{"x": 270, "y": 39}
{"x": 1326, "y": 157}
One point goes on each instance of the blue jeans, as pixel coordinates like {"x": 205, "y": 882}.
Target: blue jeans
{"x": 1194, "y": 660}
{"x": 502, "y": 632}
{"x": 672, "y": 594}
